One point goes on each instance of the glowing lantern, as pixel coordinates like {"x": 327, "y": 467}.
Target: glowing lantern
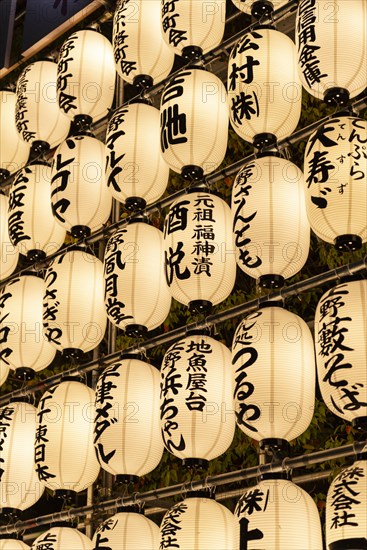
{"x": 331, "y": 42}
{"x": 278, "y": 514}
{"x": 137, "y": 296}
{"x": 142, "y": 57}
{"x": 200, "y": 265}
{"x": 136, "y": 173}
{"x": 62, "y": 538}
{"x": 257, "y": 8}
{"x": 129, "y": 444}
{"x": 264, "y": 90}
{"x": 38, "y": 118}
{"x": 198, "y": 523}
{"x": 23, "y": 346}
{"x": 20, "y": 488}
{"x": 32, "y": 226}
{"x": 9, "y": 255}
{"x": 12, "y": 543}
{"x": 86, "y": 76}
{"x": 65, "y": 431}
{"x": 274, "y": 371}
{"x": 127, "y": 530}
{"x": 336, "y": 182}
{"x": 74, "y": 315}
{"x": 271, "y": 231}
{"x": 341, "y": 350}
{"x": 13, "y": 152}
{"x": 196, "y": 390}
{"x": 194, "y": 122}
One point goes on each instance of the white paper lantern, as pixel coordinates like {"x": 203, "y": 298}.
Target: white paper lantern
{"x": 278, "y": 515}
{"x": 193, "y": 25}
{"x": 20, "y": 487}
{"x": 63, "y": 448}
{"x": 136, "y": 173}
{"x": 127, "y": 530}
{"x": 80, "y": 199}
{"x": 341, "y": 350}
{"x": 142, "y": 57}
{"x": 137, "y": 296}
{"x": 127, "y": 435}
{"x": 62, "y": 538}
{"x": 264, "y": 90}
{"x": 4, "y": 372}
{"x": 271, "y": 230}
{"x": 200, "y": 264}
{"x": 274, "y": 370}
{"x": 14, "y": 151}
{"x": 198, "y": 523}
{"x": 74, "y": 315}
{"x": 336, "y": 182}
{"x": 32, "y": 226}
{"x": 248, "y": 5}
{"x": 37, "y": 114}
{"x": 331, "y": 40}
{"x": 197, "y": 408}
{"x": 12, "y": 544}
{"x": 346, "y": 504}
{"x": 194, "y": 122}
{"x": 9, "y": 255}
{"x": 86, "y": 75}
{"x": 23, "y": 346}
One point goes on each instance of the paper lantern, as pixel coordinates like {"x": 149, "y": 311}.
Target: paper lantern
{"x": 198, "y": 523}
{"x": 128, "y": 530}
{"x": 336, "y": 182}
{"x": 136, "y": 173}
{"x": 23, "y": 346}
{"x": 341, "y": 350}
{"x": 4, "y": 372}
{"x": 63, "y": 448}
{"x": 86, "y": 76}
{"x": 264, "y": 90}
{"x": 194, "y": 122}
{"x": 62, "y": 538}
{"x": 256, "y": 7}
{"x": 38, "y": 118}
{"x": 274, "y": 370}
{"x": 127, "y": 435}
{"x": 80, "y": 199}
{"x": 32, "y": 226}
{"x": 20, "y": 487}
{"x": 346, "y": 503}
{"x": 9, "y": 255}
{"x": 142, "y": 57}
{"x": 193, "y": 27}
{"x": 74, "y": 316}
{"x": 279, "y": 515}
{"x": 200, "y": 265}
{"x": 331, "y": 42}
{"x": 196, "y": 404}
{"x": 137, "y": 296}
{"x": 271, "y": 230}
{"x": 14, "y": 151}
{"x": 10, "y": 543}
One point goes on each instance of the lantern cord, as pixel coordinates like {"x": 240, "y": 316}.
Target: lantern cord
{"x": 318, "y": 457}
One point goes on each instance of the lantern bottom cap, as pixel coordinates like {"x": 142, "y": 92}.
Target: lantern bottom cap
{"x": 80, "y": 231}
{"x": 136, "y": 331}
{"x": 143, "y": 81}
{"x": 347, "y": 243}
{"x": 192, "y": 172}
{"x": 271, "y": 281}
{"x": 200, "y": 306}
{"x": 360, "y": 424}
{"x": 336, "y": 96}
{"x": 277, "y": 444}
{"x": 195, "y": 463}
{"x": 82, "y": 125}
{"x": 39, "y": 147}
{"x": 8, "y": 514}
{"x": 24, "y": 373}
{"x": 4, "y": 174}
{"x": 262, "y": 8}
{"x": 72, "y": 353}
{"x": 264, "y": 140}
{"x": 126, "y": 479}
{"x": 192, "y": 53}
{"x": 134, "y": 204}
{"x": 35, "y": 255}
{"x": 349, "y": 544}
{"x": 65, "y": 494}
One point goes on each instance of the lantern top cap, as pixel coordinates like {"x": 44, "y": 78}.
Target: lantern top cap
{"x": 201, "y": 493}
{"x": 139, "y": 355}
{"x": 271, "y": 303}
{"x": 30, "y": 273}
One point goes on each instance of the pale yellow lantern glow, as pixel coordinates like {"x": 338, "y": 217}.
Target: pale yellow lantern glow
{"x": 62, "y": 538}
{"x": 13, "y": 544}
{"x": 14, "y": 151}
{"x": 127, "y": 530}
{"x": 9, "y": 254}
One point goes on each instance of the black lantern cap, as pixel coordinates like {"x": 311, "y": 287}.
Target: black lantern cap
{"x": 284, "y": 474}
{"x": 195, "y": 463}
{"x": 65, "y": 494}
{"x": 262, "y": 8}
{"x": 130, "y": 509}
{"x": 4, "y": 174}
{"x": 8, "y": 514}
{"x": 271, "y": 281}
{"x": 192, "y": 53}
{"x": 201, "y": 493}
{"x": 348, "y": 243}
{"x": 80, "y": 231}
{"x": 73, "y": 353}
{"x": 349, "y": 544}
{"x": 136, "y": 331}
{"x": 35, "y": 255}
{"x": 274, "y": 445}
{"x": 192, "y": 172}
{"x": 200, "y": 306}
{"x": 39, "y": 147}
{"x": 126, "y": 479}
{"x": 263, "y": 140}
{"x": 205, "y": 331}
{"x": 134, "y": 204}
{"x": 336, "y": 96}
{"x": 82, "y": 125}
{"x": 271, "y": 303}
{"x": 132, "y": 355}
{"x": 24, "y": 373}
{"x": 360, "y": 424}
{"x": 12, "y": 536}
{"x": 143, "y": 81}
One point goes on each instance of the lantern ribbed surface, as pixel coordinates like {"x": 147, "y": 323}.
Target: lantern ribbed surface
{"x": 246, "y": 5}
{"x": 64, "y": 451}
{"x": 37, "y": 114}
{"x": 13, "y": 544}
{"x": 9, "y": 254}
{"x": 127, "y": 434}
{"x": 20, "y": 487}
{"x": 136, "y": 290}
{"x": 271, "y": 230}
{"x": 14, "y": 151}
{"x": 135, "y": 167}
{"x": 341, "y": 349}
{"x": 74, "y": 315}
{"x": 138, "y": 45}
{"x": 274, "y": 371}
{"x": 127, "y": 531}
{"x": 62, "y": 538}
{"x": 194, "y": 120}
{"x": 331, "y": 39}
{"x": 264, "y": 90}
{"x": 86, "y": 75}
